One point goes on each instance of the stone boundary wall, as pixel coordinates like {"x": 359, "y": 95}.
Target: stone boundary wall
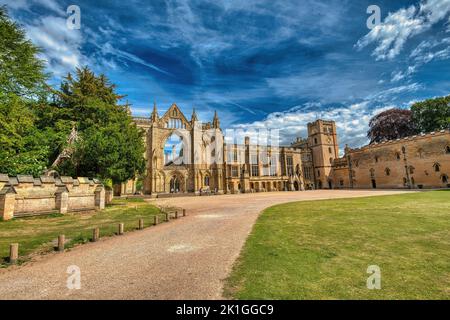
{"x": 25, "y": 196}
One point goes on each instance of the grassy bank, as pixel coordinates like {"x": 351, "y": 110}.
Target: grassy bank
{"x": 38, "y": 233}
{"x": 322, "y": 249}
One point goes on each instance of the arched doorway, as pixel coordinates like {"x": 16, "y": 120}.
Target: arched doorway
{"x": 296, "y": 187}
{"x": 175, "y": 184}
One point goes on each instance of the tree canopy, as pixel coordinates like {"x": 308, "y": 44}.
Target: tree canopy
{"x": 111, "y": 146}
{"x": 35, "y": 120}
{"x": 391, "y": 124}
{"x": 21, "y": 72}
{"x": 432, "y": 114}
{"x": 23, "y": 148}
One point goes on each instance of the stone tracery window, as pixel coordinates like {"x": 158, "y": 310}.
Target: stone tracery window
{"x": 444, "y": 178}
{"x": 437, "y": 167}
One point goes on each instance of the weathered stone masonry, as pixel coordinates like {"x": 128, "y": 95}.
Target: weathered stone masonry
{"x": 25, "y": 195}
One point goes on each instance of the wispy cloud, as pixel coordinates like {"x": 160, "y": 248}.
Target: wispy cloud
{"x": 400, "y": 26}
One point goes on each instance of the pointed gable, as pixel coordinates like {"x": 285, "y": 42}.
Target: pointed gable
{"x": 174, "y": 119}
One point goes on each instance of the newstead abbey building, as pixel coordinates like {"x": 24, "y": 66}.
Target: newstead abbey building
{"x": 185, "y": 156}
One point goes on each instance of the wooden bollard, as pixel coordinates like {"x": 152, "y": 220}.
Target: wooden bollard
{"x": 167, "y": 217}
{"x": 120, "y": 228}
{"x": 141, "y": 224}
{"x": 13, "y": 252}
{"x": 61, "y": 242}
{"x": 184, "y": 212}
{"x": 95, "y": 234}
{"x": 155, "y": 220}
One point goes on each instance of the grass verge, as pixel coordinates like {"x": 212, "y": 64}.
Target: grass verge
{"x": 322, "y": 249}
{"x": 38, "y": 234}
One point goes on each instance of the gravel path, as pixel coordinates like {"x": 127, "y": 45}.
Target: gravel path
{"x": 186, "y": 259}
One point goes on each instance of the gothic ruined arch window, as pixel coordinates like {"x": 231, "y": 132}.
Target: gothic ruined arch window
{"x": 173, "y": 150}
{"x": 387, "y": 171}
{"x": 444, "y": 178}
{"x": 437, "y": 167}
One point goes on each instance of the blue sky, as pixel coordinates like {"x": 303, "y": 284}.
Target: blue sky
{"x": 261, "y": 64}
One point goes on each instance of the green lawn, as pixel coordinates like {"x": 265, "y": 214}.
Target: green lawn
{"x": 35, "y": 234}
{"x": 321, "y": 249}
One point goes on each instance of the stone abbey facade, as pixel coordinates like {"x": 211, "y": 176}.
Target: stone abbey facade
{"x": 186, "y": 156}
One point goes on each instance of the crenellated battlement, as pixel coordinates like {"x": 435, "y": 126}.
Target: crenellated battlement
{"x": 408, "y": 139}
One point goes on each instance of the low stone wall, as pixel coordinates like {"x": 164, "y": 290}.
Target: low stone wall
{"x": 25, "y": 195}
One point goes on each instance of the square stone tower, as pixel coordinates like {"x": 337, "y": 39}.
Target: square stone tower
{"x": 322, "y": 139}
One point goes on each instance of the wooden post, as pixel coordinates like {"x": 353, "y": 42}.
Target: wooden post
{"x": 95, "y": 234}
{"x": 141, "y": 224}
{"x": 61, "y": 242}
{"x": 155, "y": 221}
{"x": 184, "y": 212}
{"x": 120, "y": 228}
{"x": 167, "y": 216}
{"x": 13, "y": 252}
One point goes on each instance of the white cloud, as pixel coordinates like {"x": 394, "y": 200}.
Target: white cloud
{"x": 27, "y": 4}
{"x": 352, "y": 122}
{"x": 428, "y": 51}
{"x": 15, "y": 5}
{"x": 391, "y": 35}
{"x": 52, "y": 5}
{"x": 385, "y": 95}
{"x": 401, "y": 75}
{"x": 61, "y": 47}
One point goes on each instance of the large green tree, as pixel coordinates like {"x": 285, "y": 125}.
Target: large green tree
{"x": 432, "y": 114}
{"x": 21, "y": 72}
{"x": 23, "y": 148}
{"x": 391, "y": 124}
{"x": 110, "y": 145}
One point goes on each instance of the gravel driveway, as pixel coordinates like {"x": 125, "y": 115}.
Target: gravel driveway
{"x": 186, "y": 259}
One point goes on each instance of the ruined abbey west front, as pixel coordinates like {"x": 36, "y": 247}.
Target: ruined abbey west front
{"x": 186, "y": 156}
